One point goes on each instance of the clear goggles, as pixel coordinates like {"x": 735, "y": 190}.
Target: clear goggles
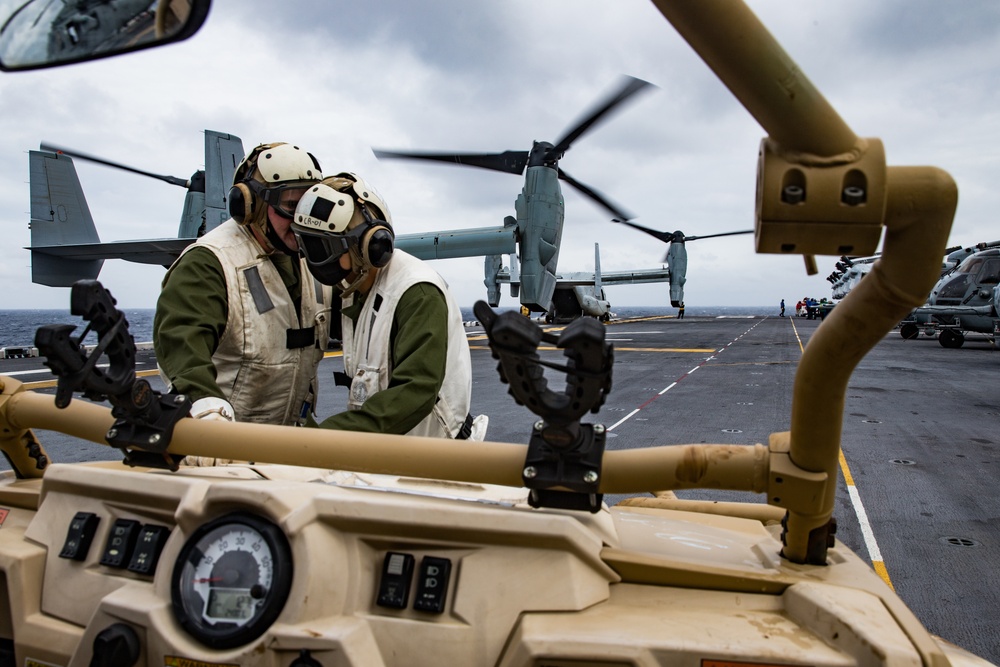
{"x": 283, "y": 198}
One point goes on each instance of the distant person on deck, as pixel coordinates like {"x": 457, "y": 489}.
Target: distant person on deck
{"x": 680, "y": 311}
{"x": 782, "y": 314}
{"x": 406, "y": 355}
{"x": 810, "y": 308}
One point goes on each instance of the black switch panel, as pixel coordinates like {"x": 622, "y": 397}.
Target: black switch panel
{"x": 148, "y": 548}
{"x": 432, "y": 584}
{"x": 121, "y": 542}
{"x": 394, "y": 586}
{"x": 80, "y": 535}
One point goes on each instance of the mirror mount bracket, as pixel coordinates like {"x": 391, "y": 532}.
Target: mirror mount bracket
{"x": 562, "y": 467}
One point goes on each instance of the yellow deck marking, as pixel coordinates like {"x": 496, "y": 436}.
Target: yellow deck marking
{"x": 45, "y": 384}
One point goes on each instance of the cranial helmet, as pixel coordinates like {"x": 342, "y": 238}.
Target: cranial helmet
{"x": 343, "y": 214}
{"x": 274, "y": 175}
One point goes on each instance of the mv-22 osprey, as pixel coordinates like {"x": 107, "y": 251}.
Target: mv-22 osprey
{"x": 65, "y": 246}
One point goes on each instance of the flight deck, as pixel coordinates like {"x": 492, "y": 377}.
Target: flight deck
{"x": 916, "y": 496}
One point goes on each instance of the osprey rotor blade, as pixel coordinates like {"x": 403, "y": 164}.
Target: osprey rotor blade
{"x": 511, "y": 162}
{"x": 710, "y": 236}
{"x": 629, "y": 87}
{"x": 173, "y": 180}
{"x": 619, "y": 214}
{"x": 666, "y": 237}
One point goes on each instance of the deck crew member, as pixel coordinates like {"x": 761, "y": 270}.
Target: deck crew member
{"x": 406, "y": 356}
{"x": 240, "y": 325}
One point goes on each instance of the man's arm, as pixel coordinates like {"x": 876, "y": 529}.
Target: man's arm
{"x": 419, "y": 342}
{"x": 190, "y": 318}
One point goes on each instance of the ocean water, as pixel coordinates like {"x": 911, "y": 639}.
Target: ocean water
{"x": 17, "y": 327}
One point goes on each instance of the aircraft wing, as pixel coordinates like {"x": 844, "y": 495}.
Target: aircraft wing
{"x": 454, "y": 243}
{"x": 617, "y": 277}
{"x": 147, "y": 251}
{"x": 612, "y": 278}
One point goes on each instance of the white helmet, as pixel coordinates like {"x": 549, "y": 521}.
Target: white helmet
{"x": 343, "y": 214}
{"x": 272, "y": 175}
{"x": 330, "y": 205}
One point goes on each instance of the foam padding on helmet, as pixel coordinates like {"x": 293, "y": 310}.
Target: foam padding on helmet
{"x": 377, "y": 246}
{"x": 241, "y": 203}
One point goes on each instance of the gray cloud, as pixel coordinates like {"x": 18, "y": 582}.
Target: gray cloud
{"x": 340, "y": 78}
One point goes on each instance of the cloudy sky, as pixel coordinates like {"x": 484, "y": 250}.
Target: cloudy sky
{"x": 453, "y": 75}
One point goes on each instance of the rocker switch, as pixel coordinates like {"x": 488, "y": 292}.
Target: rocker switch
{"x": 148, "y": 548}
{"x": 80, "y": 535}
{"x": 394, "y": 586}
{"x": 432, "y": 584}
{"x": 121, "y": 543}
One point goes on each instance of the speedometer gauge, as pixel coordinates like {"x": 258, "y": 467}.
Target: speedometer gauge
{"x": 231, "y": 580}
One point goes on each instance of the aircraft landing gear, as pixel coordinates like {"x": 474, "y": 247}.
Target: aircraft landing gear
{"x": 951, "y": 339}
{"x": 909, "y": 331}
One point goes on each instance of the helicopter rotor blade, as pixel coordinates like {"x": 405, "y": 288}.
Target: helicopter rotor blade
{"x": 629, "y": 87}
{"x": 666, "y": 237}
{"x": 709, "y": 236}
{"x": 511, "y": 162}
{"x": 619, "y": 214}
{"x": 173, "y": 180}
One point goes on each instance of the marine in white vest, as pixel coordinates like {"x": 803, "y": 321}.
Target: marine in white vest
{"x": 406, "y": 356}
{"x": 240, "y": 324}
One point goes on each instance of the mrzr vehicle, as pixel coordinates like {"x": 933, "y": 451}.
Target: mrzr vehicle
{"x": 492, "y": 554}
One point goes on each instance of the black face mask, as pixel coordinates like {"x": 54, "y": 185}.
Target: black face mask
{"x": 328, "y": 273}
{"x": 322, "y": 253}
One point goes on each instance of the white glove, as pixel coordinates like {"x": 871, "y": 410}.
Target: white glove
{"x": 217, "y": 409}
{"x": 214, "y": 409}
{"x": 479, "y": 426}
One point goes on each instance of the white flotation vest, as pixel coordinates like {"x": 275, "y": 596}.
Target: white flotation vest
{"x": 367, "y": 359}
{"x": 267, "y": 357}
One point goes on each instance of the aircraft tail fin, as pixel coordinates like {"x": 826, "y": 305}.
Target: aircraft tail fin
{"x": 59, "y": 216}
{"x": 223, "y": 153}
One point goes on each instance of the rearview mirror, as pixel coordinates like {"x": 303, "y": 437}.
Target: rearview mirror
{"x": 44, "y": 33}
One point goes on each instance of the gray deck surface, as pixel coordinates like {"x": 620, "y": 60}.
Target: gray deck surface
{"x": 921, "y": 440}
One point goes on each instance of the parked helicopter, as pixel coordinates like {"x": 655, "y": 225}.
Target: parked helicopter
{"x": 849, "y": 272}
{"x": 967, "y": 298}
{"x": 65, "y": 246}
{"x": 964, "y": 299}
{"x": 540, "y": 209}
{"x": 676, "y": 256}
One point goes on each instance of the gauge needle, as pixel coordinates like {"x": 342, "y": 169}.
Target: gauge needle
{"x": 207, "y": 579}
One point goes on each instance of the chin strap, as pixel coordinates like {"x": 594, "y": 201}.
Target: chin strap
{"x": 348, "y": 287}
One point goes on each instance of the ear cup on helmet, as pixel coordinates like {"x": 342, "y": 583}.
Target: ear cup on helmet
{"x": 377, "y": 246}
{"x": 241, "y": 203}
